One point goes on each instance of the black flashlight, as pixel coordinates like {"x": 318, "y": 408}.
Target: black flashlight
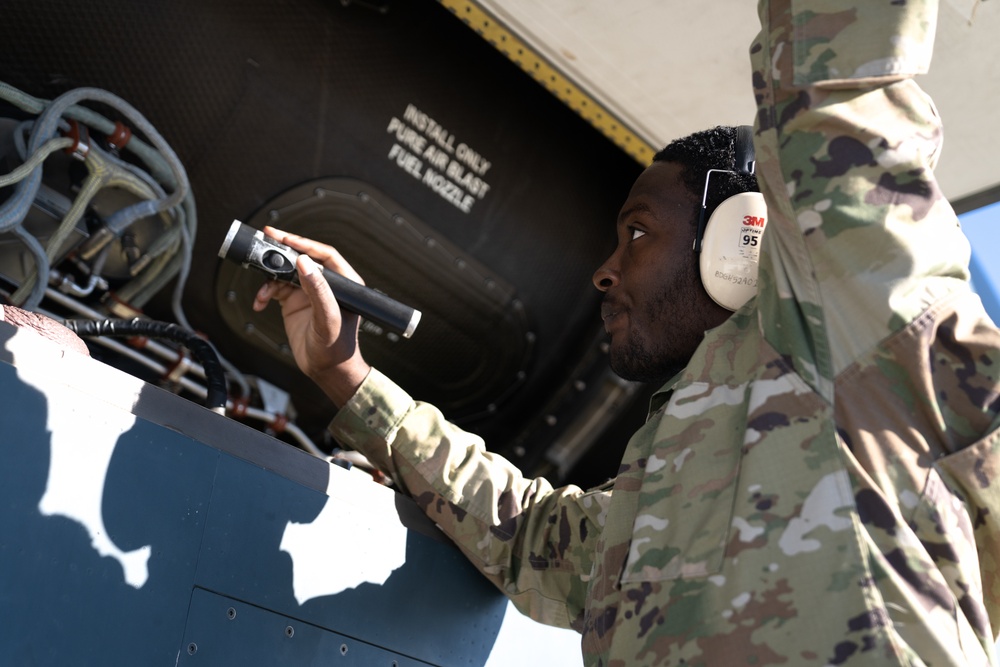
{"x": 253, "y": 249}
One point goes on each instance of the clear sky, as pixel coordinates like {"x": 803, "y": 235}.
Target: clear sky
{"x": 982, "y": 226}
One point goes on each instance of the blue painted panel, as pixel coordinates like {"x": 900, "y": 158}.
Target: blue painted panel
{"x": 125, "y": 511}
{"x": 224, "y": 631}
{"x": 262, "y": 528}
{"x": 64, "y": 590}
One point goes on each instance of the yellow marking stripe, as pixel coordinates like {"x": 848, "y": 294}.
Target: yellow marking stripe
{"x": 539, "y": 69}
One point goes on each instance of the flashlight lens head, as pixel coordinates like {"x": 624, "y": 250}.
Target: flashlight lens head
{"x": 238, "y": 243}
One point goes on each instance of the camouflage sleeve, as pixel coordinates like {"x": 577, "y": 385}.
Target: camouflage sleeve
{"x": 860, "y": 238}
{"x": 864, "y": 284}
{"x": 534, "y": 542}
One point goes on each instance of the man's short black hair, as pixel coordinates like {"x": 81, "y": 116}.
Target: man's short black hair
{"x": 709, "y": 149}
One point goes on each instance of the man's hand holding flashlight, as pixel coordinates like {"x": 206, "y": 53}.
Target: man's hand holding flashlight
{"x": 323, "y": 338}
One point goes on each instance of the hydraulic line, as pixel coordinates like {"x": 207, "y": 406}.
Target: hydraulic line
{"x": 35, "y": 160}
{"x": 106, "y": 170}
{"x": 170, "y": 251}
{"x": 215, "y": 378}
{"x": 158, "y": 165}
{"x": 164, "y": 352}
{"x": 178, "y": 310}
{"x": 41, "y": 264}
{"x": 103, "y": 173}
{"x": 45, "y": 127}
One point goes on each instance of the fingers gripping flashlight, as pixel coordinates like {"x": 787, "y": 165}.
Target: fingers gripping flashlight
{"x": 251, "y": 248}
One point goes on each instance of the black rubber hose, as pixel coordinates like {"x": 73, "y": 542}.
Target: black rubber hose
{"x": 215, "y": 377}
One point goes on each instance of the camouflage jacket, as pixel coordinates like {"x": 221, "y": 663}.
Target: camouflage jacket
{"x": 821, "y": 485}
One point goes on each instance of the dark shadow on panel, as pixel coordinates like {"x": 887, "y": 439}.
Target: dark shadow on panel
{"x": 63, "y": 602}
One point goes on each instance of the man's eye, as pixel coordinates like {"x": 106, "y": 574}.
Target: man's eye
{"x": 636, "y": 233}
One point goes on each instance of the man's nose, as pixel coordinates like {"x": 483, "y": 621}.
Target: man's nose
{"x": 606, "y": 275}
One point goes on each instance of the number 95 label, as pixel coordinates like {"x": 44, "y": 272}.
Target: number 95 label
{"x": 749, "y": 244}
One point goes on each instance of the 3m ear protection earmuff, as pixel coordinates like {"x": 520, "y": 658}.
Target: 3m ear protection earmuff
{"x": 728, "y": 243}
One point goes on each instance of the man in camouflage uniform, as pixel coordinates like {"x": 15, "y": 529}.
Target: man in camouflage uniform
{"x": 820, "y": 484}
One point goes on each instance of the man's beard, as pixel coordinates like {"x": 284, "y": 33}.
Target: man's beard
{"x": 674, "y": 321}
{"x": 638, "y": 363}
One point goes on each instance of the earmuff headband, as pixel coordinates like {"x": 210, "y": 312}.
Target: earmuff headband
{"x": 744, "y": 163}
